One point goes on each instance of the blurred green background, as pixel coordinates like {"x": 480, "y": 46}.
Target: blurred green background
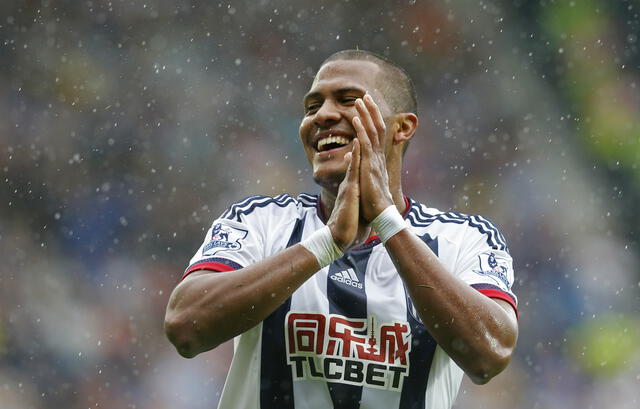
{"x": 128, "y": 126}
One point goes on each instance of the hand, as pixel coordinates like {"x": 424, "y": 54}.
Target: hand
{"x": 344, "y": 222}
{"x": 375, "y": 195}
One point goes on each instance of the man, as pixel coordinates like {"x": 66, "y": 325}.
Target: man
{"x": 358, "y": 298}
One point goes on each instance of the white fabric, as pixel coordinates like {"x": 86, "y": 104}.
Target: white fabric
{"x": 242, "y": 387}
{"x": 444, "y": 381}
{"x": 383, "y": 297}
{"x": 267, "y": 230}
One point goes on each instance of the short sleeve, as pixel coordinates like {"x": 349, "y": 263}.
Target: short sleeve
{"x": 485, "y": 263}
{"x": 228, "y": 245}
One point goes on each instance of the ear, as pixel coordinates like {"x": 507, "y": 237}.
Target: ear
{"x": 406, "y": 125}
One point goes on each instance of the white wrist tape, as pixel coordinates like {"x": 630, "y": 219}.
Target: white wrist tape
{"x": 321, "y": 245}
{"x": 388, "y": 223}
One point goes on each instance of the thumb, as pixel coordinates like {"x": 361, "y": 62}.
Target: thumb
{"x": 348, "y": 158}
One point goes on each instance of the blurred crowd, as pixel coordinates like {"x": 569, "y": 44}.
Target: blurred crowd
{"x": 128, "y": 126}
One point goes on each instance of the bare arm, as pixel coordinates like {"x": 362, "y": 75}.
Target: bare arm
{"x": 477, "y": 332}
{"x": 207, "y": 309}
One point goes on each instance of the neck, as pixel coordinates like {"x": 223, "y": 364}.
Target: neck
{"x": 394, "y": 171}
{"x": 328, "y": 196}
{"x": 329, "y": 191}
{"x": 395, "y": 186}
{"x": 327, "y": 201}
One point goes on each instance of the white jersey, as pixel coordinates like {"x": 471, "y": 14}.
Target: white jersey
{"x": 349, "y": 337}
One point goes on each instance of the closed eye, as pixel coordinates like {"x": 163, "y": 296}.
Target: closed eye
{"x": 311, "y": 108}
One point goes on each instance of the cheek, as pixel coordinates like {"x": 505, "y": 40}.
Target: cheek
{"x": 303, "y": 131}
{"x": 349, "y": 113}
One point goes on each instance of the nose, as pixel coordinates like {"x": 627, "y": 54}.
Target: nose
{"x": 327, "y": 115}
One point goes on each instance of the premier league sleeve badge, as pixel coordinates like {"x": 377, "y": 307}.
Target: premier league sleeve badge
{"x": 224, "y": 237}
{"x": 495, "y": 268}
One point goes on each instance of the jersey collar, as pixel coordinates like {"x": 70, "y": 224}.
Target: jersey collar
{"x": 372, "y": 240}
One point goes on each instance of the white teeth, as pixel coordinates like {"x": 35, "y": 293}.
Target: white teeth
{"x": 332, "y": 139}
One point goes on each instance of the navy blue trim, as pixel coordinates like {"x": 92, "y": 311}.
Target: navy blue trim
{"x": 484, "y": 286}
{"x": 423, "y": 347}
{"x": 249, "y": 204}
{"x": 241, "y": 203}
{"x": 308, "y": 200}
{"x": 349, "y": 301}
{"x": 220, "y": 260}
{"x": 421, "y": 218}
{"x": 276, "y": 381}
{"x": 296, "y": 233}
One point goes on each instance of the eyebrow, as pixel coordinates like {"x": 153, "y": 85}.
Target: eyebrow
{"x": 339, "y": 91}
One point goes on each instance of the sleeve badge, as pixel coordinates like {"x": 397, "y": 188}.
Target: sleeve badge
{"x": 224, "y": 237}
{"x": 494, "y": 268}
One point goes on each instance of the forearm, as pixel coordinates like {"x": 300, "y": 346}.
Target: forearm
{"x": 474, "y": 330}
{"x": 208, "y": 309}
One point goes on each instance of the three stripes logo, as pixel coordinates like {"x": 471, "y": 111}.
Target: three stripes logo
{"x": 347, "y": 277}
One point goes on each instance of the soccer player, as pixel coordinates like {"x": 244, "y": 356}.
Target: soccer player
{"x": 358, "y": 297}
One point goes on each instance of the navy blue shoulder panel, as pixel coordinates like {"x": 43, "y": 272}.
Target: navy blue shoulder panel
{"x": 308, "y": 200}
{"x": 419, "y": 217}
{"x": 251, "y": 203}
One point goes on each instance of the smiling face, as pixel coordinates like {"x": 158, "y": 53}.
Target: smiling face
{"x": 326, "y": 130}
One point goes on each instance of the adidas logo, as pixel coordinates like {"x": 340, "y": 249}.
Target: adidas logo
{"x": 347, "y": 277}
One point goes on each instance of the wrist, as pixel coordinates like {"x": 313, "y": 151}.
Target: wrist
{"x": 322, "y": 245}
{"x": 372, "y": 208}
{"x": 335, "y": 234}
{"x": 388, "y": 223}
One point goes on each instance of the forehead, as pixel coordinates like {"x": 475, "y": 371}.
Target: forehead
{"x": 347, "y": 73}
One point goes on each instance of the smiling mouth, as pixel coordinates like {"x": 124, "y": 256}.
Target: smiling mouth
{"x": 332, "y": 142}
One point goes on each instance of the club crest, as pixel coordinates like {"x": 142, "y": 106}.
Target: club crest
{"x": 224, "y": 237}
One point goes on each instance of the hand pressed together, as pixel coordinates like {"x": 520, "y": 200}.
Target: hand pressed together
{"x": 375, "y": 195}
{"x": 345, "y": 220}
{"x": 364, "y": 193}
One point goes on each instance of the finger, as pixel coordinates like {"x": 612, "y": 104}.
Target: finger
{"x": 354, "y": 167}
{"x": 349, "y": 187}
{"x": 343, "y": 189}
{"x": 376, "y": 115}
{"x": 348, "y": 157}
{"x": 363, "y": 139}
{"x": 367, "y": 122}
